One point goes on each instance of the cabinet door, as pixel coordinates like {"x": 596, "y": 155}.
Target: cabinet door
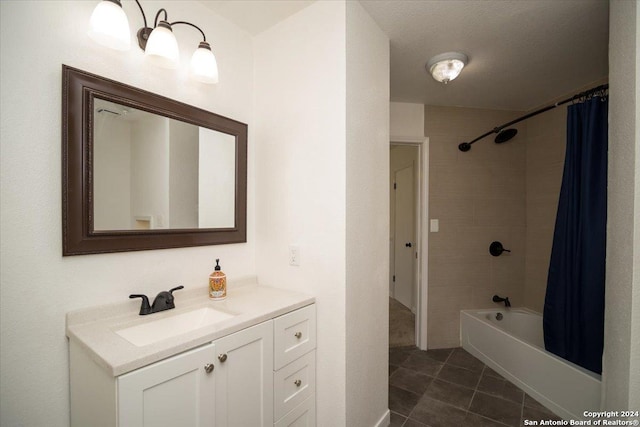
{"x": 174, "y": 392}
{"x": 244, "y": 378}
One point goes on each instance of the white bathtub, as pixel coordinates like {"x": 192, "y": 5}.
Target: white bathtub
{"x": 514, "y": 347}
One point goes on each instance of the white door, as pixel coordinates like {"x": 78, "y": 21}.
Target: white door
{"x": 244, "y": 378}
{"x": 178, "y": 391}
{"x": 404, "y": 244}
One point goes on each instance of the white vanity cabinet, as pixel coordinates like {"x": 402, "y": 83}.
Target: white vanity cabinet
{"x": 295, "y": 368}
{"x": 173, "y": 392}
{"x": 260, "y": 376}
{"x": 244, "y": 378}
{"x": 229, "y": 381}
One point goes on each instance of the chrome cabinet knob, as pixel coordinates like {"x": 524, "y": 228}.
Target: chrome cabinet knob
{"x": 222, "y": 357}
{"x": 297, "y": 383}
{"x": 208, "y": 368}
{"x": 298, "y": 335}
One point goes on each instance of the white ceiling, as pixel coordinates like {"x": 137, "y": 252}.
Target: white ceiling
{"x": 522, "y": 53}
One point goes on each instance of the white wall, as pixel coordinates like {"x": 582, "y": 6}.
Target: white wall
{"x": 407, "y": 120}
{"x": 112, "y": 173}
{"x": 38, "y": 286}
{"x": 216, "y": 189}
{"x": 367, "y": 209}
{"x": 301, "y": 177}
{"x": 150, "y": 170}
{"x": 183, "y": 174}
{"x": 323, "y": 155}
{"x": 621, "y": 361}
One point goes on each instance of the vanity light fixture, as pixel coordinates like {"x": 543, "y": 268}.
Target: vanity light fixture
{"x": 109, "y": 27}
{"x": 447, "y": 66}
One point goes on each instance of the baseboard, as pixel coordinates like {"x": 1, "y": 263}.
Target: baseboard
{"x": 385, "y": 420}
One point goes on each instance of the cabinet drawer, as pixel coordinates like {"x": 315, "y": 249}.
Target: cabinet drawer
{"x": 303, "y": 415}
{"x": 294, "y": 334}
{"x": 294, "y": 383}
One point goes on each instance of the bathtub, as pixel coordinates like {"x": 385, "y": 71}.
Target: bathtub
{"x": 514, "y": 347}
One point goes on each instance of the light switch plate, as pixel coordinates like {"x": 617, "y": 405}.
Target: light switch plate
{"x": 294, "y": 255}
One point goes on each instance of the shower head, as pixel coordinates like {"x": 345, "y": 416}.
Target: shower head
{"x": 505, "y": 135}
{"x": 502, "y": 136}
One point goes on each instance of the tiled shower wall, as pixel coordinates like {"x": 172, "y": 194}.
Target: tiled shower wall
{"x": 546, "y": 142}
{"x": 478, "y": 197}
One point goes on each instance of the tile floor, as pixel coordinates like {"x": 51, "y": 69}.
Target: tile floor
{"x": 451, "y": 388}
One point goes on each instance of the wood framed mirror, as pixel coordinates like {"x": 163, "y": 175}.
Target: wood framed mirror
{"x": 141, "y": 171}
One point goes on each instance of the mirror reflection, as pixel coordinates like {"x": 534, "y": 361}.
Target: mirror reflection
{"x": 151, "y": 172}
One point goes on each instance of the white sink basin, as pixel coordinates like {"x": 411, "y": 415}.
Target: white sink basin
{"x": 161, "y": 329}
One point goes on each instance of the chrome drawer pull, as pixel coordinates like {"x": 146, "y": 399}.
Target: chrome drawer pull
{"x": 208, "y": 368}
{"x": 298, "y": 335}
{"x": 297, "y": 383}
{"x": 222, "y": 357}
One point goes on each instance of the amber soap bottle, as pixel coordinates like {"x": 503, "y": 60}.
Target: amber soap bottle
{"x": 217, "y": 283}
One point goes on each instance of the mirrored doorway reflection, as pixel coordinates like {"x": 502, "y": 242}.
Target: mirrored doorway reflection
{"x": 153, "y": 172}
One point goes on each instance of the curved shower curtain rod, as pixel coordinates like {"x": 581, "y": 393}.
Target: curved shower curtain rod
{"x": 505, "y": 135}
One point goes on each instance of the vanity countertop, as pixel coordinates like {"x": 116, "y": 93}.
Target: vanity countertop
{"x": 94, "y": 329}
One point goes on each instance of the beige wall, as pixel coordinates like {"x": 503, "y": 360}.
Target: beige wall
{"x": 478, "y": 197}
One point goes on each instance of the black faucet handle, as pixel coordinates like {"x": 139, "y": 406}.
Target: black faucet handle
{"x": 145, "y": 307}
{"x": 175, "y": 289}
{"x": 164, "y": 300}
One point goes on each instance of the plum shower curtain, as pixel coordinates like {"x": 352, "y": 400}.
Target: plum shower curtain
{"x": 574, "y": 303}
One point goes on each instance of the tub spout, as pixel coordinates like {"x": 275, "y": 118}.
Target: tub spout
{"x": 506, "y": 301}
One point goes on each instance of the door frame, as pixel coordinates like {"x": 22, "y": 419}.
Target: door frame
{"x": 422, "y": 233}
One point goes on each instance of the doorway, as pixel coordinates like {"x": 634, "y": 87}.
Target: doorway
{"x": 404, "y": 242}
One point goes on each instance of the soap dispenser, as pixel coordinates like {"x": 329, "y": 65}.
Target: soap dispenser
{"x": 217, "y": 283}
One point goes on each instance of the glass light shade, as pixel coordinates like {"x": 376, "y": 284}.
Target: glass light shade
{"x": 109, "y": 26}
{"x": 162, "y": 46}
{"x": 447, "y": 66}
{"x": 204, "y": 67}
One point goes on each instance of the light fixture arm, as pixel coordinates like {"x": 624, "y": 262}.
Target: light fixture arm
{"x": 204, "y": 38}
{"x": 144, "y": 32}
{"x": 144, "y": 17}
{"x": 166, "y": 17}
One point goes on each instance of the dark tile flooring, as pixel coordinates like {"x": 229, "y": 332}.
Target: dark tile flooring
{"x": 451, "y": 388}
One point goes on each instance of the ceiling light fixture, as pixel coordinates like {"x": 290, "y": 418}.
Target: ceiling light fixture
{"x": 109, "y": 27}
{"x": 447, "y": 66}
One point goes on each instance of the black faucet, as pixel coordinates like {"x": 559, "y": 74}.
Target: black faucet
{"x": 163, "y": 301}
{"x": 496, "y": 298}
